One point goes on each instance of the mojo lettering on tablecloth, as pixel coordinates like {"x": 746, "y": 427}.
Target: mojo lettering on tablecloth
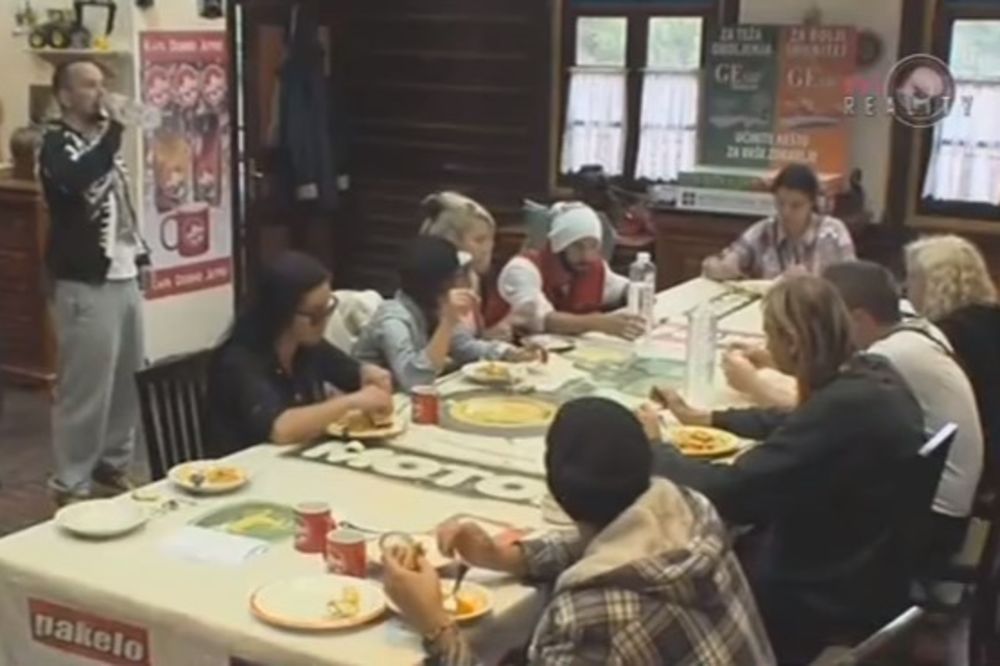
{"x": 428, "y": 471}
{"x": 105, "y": 641}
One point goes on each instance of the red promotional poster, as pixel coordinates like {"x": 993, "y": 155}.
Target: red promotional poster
{"x": 99, "y": 639}
{"x": 187, "y": 190}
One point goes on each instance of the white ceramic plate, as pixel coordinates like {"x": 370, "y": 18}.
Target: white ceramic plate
{"x": 429, "y": 544}
{"x": 479, "y": 372}
{"x": 552, "y": 343}
{"x": 474, "y": 591}
{"x": 101, "y": 519}
{"x": 181, "y": 475}
{"x": 303, "y": 603}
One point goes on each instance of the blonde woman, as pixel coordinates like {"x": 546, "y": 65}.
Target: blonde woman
{"x": 947, "y": 282}
{"x": 467, "y": 225}
{"x": 826, "y": 482}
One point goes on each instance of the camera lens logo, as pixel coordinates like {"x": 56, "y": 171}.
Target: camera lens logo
{"x": 922, "y": 90}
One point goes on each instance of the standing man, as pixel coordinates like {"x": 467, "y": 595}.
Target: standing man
{"x": 95, "y": 255}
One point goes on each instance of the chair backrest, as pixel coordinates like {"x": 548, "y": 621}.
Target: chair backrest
{"x": 172, "y": 401}
{"x": 354, "y": 311}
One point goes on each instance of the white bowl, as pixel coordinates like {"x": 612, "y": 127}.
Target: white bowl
{"x": 101, "y": 519}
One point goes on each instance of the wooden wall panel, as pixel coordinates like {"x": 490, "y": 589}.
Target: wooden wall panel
{"x": 444, "y": 94}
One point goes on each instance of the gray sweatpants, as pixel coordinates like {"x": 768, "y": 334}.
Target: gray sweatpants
{"x": 100, "y": 335}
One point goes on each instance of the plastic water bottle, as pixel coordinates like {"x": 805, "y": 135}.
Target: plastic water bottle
{"x": 642, "y": 288}
{"x": 701, "y": 348}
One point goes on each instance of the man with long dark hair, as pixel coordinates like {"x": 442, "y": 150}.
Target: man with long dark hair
{"x": 275, "y": 378}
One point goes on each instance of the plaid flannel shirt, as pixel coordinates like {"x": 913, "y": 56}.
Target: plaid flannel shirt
{"x": 765, "y": 251}
{"x": 688, "y": 607}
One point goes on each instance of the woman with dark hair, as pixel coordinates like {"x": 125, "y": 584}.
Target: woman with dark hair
{"x": 647, "y": 576}
{"x": 796, "y": 239}
{"x": 833, "y": 484}
{"x": 419, "y": 332}
{"x": 268, "y": 379}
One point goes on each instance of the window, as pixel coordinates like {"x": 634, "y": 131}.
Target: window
{"x": 632, "y": 89}
{"x": 963, "y": 167}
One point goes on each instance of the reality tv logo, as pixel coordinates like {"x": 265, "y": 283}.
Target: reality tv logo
{"x": 105, "y": 641}
{"x": 919, "y": 91}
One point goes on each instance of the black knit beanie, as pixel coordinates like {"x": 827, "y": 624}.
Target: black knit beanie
{"x": 598, "y": 460}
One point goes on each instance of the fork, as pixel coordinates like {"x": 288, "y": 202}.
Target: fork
{"x": 463, "y": 569}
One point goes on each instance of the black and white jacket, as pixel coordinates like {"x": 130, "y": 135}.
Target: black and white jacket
{"x": 84, "y": 182}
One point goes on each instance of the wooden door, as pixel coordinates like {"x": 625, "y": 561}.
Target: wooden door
{"x": 267, "y": 221}
{"x": 443, "y": 94}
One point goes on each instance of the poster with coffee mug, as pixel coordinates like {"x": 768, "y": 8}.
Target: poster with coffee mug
{"x": 187, "y": 188}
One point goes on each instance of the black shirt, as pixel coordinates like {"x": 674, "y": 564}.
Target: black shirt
{"x": 828, "y": 487}
{"x": 248, "y": 389}
{"x": 974, "y": 333}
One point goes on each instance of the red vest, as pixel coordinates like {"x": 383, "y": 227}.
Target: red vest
{"x": 576, "y": 293}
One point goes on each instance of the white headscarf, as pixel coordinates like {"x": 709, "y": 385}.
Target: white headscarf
{"x": 572, "y": 221}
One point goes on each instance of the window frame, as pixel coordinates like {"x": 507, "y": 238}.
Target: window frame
{"x": 944, "y": 19}
{"x": 638, "y": 15}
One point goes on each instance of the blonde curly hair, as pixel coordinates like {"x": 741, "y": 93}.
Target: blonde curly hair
{"x": 945, "y": 273}
{"x": 451, "y": 215}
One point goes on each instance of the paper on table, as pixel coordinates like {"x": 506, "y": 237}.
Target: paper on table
{"x": 203, "y": 545}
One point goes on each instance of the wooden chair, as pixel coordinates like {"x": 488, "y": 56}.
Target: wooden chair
{"x": 172, "y": 397}
{"x": 927, "y": 470}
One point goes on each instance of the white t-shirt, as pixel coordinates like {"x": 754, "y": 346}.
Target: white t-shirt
{"x": 945, "y": 396}
{"x": 520, "y": 285}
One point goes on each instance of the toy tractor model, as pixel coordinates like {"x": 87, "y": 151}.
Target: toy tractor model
{"x": 54, "y": 33}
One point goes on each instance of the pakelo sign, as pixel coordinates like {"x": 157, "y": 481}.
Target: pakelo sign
{"x": 105, "y": 641}
{"x": 429, "y": 471}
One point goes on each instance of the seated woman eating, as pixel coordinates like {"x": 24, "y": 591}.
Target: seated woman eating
{"x": 419, "y": 333}
{"x": 795, "y": 240}
{"x": 832, "y": 485}
{"x": 647, "y": 576}
{"x": 268, "y": 380}
{"x": 470, "y": 227}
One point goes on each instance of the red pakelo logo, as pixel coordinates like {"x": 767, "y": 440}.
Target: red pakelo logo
{"x": 105, "y": 641}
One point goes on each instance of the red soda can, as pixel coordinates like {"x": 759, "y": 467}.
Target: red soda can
{"x": 426, "y": 405}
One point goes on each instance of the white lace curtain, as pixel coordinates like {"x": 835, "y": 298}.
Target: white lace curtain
{"x": 669, "y": 126}
{"x": 965, "y": 157}
{"x": 595, "y": 121}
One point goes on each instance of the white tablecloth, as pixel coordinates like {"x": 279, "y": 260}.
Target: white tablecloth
{"x": 59, "y": 595}
{"x": 197, "y": 614}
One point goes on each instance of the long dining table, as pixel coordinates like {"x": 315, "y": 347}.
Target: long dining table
{"x": 143, "y": 599}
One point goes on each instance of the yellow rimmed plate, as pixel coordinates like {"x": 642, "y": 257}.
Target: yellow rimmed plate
{"x": 208, "y": 477}
{"x": 478, "y": 597}
{"x": 344, "y": 429}
{"x": 702, "y": 442}
{"x": 318, "y": 603}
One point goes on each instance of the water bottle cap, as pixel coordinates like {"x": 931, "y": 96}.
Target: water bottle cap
{"x": 643, "y": 257}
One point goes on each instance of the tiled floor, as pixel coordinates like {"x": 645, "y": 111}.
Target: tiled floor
{"x": 25, "y": 460}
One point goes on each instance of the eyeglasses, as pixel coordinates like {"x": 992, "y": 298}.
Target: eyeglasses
{"x": 316, "y": 318}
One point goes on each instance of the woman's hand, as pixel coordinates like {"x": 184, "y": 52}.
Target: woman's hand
{"x": 681, "y": 410}
{"x": 717, "y": 268}
{"x": 416, "y": 592}
{"x": 741, "y": 373}
{"x": 372, "y": 400}
{"x": 759, "y": 356}
{"x": 526, "y": 354}
{"x": 649, "y": 417}
{"x": 459, "y": 304}
{"x": 372, "y": 375}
